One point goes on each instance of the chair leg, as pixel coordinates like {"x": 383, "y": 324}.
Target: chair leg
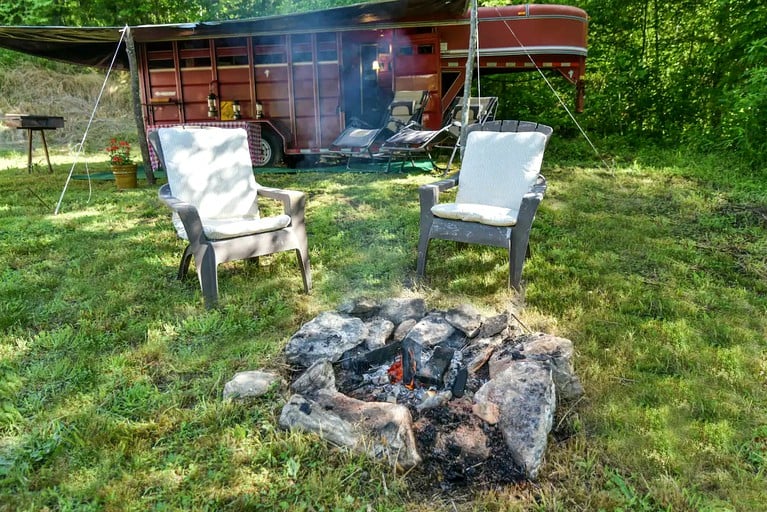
{"x": 517, "y": 253}
{"x": 423, "y": 251}
{"x": 186, "y": 259}
{"x": 450, "y": 161}
{"x": 207, "y": 273}
{"x": 302, "y": 255}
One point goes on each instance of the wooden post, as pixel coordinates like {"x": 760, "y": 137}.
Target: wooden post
{"x": 137, "y": 110}
{"x": 469, "y": 72}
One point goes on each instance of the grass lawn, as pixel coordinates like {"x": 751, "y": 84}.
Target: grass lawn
{"x": 111, "y": 370}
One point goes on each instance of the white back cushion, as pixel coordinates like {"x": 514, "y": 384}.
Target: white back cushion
{"x": 211, "y": 169}
{"x": 498, "y": 168}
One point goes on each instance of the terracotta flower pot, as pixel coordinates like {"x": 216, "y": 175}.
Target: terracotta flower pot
{"x": 125, "y": 175}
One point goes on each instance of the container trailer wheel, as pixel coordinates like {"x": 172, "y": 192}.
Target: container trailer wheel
{"x": 271, "y": 149}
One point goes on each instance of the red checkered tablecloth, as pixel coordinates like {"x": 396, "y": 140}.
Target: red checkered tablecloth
{"x": 253, "y": 129}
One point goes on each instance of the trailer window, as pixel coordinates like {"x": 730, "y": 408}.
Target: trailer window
{"x": 194, "y": 53}
{"x": 420, "y": 49}
{"x": 327, "y": 48}
{"x": 301, "y": 48}
{"x": 269, "y": 50}
{"x": 160, "y": 55}
{"x": 232, "y": 51}
{"x": 425, "y": 49}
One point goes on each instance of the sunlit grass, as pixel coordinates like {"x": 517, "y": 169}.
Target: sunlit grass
{"x": 111, "y": 370}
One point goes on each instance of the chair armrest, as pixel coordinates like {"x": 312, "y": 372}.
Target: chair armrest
{"x": 530, "y": 202}
{"x": 293, "y": 201}
{"x": 429, "y": 193}
{"x": 187, "y": 212}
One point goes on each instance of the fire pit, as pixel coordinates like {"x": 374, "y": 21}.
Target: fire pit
{"x": 465, "y": 397}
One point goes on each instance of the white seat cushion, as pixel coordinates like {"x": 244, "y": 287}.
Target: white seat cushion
{"x": 484, "y": 214}
{"x": 499, "y": 168}
{"x": 219, "y": 229}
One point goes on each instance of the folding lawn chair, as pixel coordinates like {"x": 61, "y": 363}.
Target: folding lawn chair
{"x": 410, "y": 142}
{"x": 406, "y": 109}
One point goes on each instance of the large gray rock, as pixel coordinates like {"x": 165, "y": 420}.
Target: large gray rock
{"x": 525, "y": 396}
{"x": 378, "y": 429}
{"x": 360, "y": 307}
{"x": 403, "y": 328}
{"x": 543, "y": 347}
{"x": 318, "y": 376}
{"x": 399, "y": 310}
{"x": 559, "y": 351}
{"x": 465, "y": 318}
{"x": 327, "y": 336}
{"x": 431, "y": 330}
{"x": 380, "y": 330}
{"x": 494, "y": 325}
{"x": 307, "y": 415}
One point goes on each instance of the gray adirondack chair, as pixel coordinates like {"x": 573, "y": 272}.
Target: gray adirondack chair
{"x": 499, "y": 190}
{"x": 214, "y": 198}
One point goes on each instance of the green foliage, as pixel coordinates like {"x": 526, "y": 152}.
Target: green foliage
{"x": 667, "y": 71}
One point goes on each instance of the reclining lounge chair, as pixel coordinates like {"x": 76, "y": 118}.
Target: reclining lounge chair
{"x": 404, "y": 110}
{"x": 411, "y": 141}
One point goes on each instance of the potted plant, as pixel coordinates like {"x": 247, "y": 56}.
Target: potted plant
{"x": 123, "y": 167}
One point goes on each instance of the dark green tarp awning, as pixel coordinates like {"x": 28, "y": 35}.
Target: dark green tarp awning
{"x": 95, "y": 46}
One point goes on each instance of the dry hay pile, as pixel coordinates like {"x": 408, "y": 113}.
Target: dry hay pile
{"x": 70, "y": 92}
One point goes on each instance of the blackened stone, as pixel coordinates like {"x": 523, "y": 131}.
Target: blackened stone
{"x": 434, "y": 371}
{"x": 381, "y": 355}
{"x": 459, "y": 384}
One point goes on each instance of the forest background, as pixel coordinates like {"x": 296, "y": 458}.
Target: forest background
{"x": 658, "y": 72}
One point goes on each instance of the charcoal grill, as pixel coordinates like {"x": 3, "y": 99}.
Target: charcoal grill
{"x": 34, "y": 123}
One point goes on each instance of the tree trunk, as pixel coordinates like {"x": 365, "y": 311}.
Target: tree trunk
{"x": 137, "y": 110}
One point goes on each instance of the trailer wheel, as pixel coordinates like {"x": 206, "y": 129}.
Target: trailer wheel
{"x": 271, "y": 149}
